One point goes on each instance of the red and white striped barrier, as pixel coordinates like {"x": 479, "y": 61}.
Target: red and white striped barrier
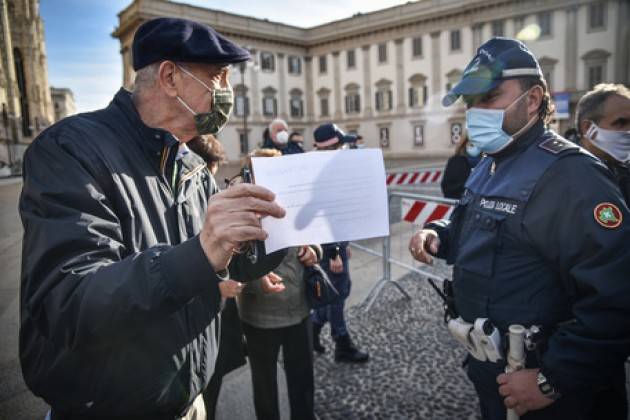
{"x": 420, "y": 212}
{"x": 429, "y": 176}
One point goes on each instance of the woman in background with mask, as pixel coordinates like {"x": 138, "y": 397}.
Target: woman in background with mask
{"x": 458, "y": 169}
{"x": 603, "y": 120}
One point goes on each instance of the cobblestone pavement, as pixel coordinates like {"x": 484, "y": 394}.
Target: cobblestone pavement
{"x": 414, "y": 370}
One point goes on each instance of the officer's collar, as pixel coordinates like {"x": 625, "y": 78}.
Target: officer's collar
{"x": 156, "y": 138}
{"x": 523, "y": 142}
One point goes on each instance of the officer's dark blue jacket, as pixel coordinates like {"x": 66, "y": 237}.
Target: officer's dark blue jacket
{"x": 528, "y": 249}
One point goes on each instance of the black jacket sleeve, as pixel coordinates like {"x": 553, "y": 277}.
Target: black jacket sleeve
{"x": 80, "y": 285}
{"x": 455, "y": 175}
{"x": 593, "y": 263}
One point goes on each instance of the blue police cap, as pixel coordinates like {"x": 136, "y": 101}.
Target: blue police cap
{"x": 183, "y": 40}
{"x": 497, "y": 60}
{"x": 328, "y": 134}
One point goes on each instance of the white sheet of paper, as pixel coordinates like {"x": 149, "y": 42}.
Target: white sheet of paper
{"x": 329, "y": 196}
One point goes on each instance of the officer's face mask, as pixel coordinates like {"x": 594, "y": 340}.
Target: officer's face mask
{"x": 485, "y": 128}
{"x": 220, "y": 108}
{"x": 472, "y": 150}
{"x": 282, "y": 137}
{"x": 615, "y": 143}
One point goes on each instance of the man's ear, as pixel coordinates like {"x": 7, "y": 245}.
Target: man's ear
{"x": 584, "y": 126}
{"x": 169, "y": 79}
{"x": 535, "y": 99}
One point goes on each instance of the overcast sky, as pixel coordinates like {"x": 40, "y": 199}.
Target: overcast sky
{"x": 84, "y": 57}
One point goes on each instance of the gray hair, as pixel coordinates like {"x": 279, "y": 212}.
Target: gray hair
{"x": 591, "y": 105}
{"x": 278, "y": 121}
{"x": 146, "y": 77}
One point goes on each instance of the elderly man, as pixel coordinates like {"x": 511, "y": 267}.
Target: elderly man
{"x": 603, "y": 121}
{"x": 128, "y": 245}
{"x": 539, "y": 239}
{"x": 279, "y": 138}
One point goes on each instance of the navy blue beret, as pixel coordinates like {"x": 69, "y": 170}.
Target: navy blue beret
{"x": 183, "y": 40}
{"x": 496, "y": 60}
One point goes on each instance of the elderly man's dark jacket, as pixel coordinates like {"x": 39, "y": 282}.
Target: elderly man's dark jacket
{"x": 118, "y": 300}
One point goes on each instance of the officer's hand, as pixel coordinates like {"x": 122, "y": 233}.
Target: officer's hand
{"x": 230, "y": 288}
{"x": 521, "y": 391}
{"x": 233, "y": 216}
{"x": 272, "y": 283}
{"x": 423, "y": 242}
{"x": 307, "y": 256}
{"x": 336, "y": 265}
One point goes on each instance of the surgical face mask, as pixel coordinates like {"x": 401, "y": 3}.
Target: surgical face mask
{"x": 220, "y": 109}
{"x": 485, "y": 128}
{"x": 615, "y": 143}
{"x": 282, "y": 137}
{"x": 472, "y": 150}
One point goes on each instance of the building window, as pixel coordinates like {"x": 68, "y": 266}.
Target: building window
{"x": 269, "y": 102}
{"x": 595, "y": 67}
{"x": 241, "y": 101}
{"x": 323, "y": 95}
{"x": 418, "y": 135}
{"x": 456, "y": 44}
{"x": 595, "y": 75}
{"x": 351, "y": 59}
{"x": 296, "y": 104}
{"x": 383, "y": 96}
{"x": 547, "y": 66}
{"x": 323, "y": 64}
{"x": 323, "y": 107}
{"x": 353, "y": 99}
{"x": 295, "y": 65}
{"x": 477, "y": 33}
{"x": 382, "y": 53}
{"x": 497, "y": 28}
{"x": 597, "y": 16}
{"x": 383, "y": 136}
{"x": 243, "y": 140}
{"x": 267, "y": 61}
{"x": 416, "y": 47}
{"x": 519, "y": 24}
{"x": 418, "y": 92}
{"x": 544, "y": 22}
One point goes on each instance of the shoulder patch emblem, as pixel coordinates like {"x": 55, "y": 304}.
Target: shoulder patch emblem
{"x": 556, "y": 145}
{"x": 608, "y": 215}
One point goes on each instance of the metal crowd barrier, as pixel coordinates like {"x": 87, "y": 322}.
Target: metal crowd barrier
{"x": 388, "y": 261}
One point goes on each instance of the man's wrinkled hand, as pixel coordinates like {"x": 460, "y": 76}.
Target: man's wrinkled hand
{"x": 520, "y": 391}
{"x": 272, "y": 283}
{"x": 424, "y": 243}
{"x": 233, "y": 217}
{"x": 230, "y": 288}
{"x": 307, "y": 256}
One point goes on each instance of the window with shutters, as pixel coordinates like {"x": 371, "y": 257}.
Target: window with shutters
{"x": 269, "y": 102}
{"x": 323, "y": 64}
{"x": 296, "y": 104}
{"x": 418, "y": 92}
{"x": 383, "y": 95}
{"x": 351, "y": 59}
{"x": 352, "y": 99}
{"x": 416, "y": 47}
{"x": 456, "y": 42}
{"x": 323, "y": 95}
{"x": 267, "y": 61}
{"x": 382, "y": 53}
{"x": 295, "y": 65}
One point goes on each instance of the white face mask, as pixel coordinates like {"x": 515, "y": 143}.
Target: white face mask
{"x": 615, "y": 143}
{"x": 282, "y": 137}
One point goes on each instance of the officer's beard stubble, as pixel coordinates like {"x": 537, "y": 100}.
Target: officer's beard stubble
{"x": 516, "y": 118}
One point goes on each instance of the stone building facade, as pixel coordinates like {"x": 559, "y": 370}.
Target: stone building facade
{"x": 63, "y": 102}
{"x": 382, "y": 74}
{"x": 24, "y": 92}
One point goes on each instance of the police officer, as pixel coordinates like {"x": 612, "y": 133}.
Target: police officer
{"x": 129, "y": 248}
{"x": 335, "y": 262}
{"x": 539, "y": 238}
